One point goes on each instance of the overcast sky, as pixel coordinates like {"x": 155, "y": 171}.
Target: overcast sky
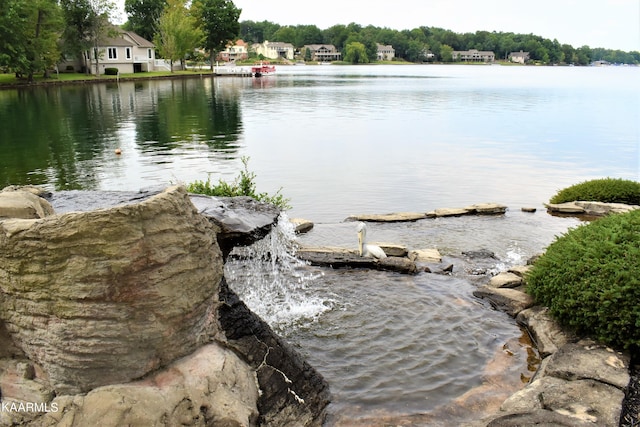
{"x": 613, "y": 24}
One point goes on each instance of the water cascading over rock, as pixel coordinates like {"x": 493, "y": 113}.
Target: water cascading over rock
{"x": 121, "y": 315}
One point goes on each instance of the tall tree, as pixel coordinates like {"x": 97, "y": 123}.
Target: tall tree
{"x": 76, "y": 35}
{"x": 178, "y": 32}
{"x": 29, "y": 33}
{"x": 100, "y": 27}
{"x": 14, "y": 17}
{"x": 219, "y": 22}
{"x": 356, "y": 53}
{"x": 143, "y": 16}
{"x": 87, "y": 23}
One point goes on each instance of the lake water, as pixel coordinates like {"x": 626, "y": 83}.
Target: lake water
{"x": 344, "y": 140}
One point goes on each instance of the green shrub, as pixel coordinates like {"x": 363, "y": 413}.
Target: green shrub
{"x": 70, "y": 69}
{"x": 243, "y": 185}
{"x": 590, "y": 279}
{"x": 609, "y": 190}
{"x": 110, "y": 71}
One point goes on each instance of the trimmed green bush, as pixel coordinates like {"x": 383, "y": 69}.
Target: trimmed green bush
{"x": 608, "y": 190}
{"x": 590, "y": 279}
{"x": 243, "y": 185}
{"x": 110, "y": 71}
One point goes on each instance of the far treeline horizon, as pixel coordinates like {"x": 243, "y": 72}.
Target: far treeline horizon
{"x": 411, "y": 45}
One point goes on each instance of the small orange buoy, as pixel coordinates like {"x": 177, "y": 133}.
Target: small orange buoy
{"x": 118, "y": 151}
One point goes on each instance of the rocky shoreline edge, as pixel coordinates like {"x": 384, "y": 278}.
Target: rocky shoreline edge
{"x": 579, "y": 382}
{"x": 237, "y": 361}
{"x": 114, "y": 311}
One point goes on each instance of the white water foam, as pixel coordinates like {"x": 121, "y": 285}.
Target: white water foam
{"x": 274, "y": 284}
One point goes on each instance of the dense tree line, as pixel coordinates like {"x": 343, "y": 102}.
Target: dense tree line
{"x": 414, "y": 45}
{"x": 36, "y": 34}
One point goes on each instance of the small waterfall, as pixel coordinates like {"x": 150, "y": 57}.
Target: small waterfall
{"x": 277, "y": 286}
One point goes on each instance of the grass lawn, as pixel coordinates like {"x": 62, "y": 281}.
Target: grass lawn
{"x": 10, "y": 79}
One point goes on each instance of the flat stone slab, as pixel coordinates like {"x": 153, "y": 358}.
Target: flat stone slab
{"x": 505, "y": 280}
{"x": 477, "y": 209}
{"x": 425, "y": 255}
{"x": 589, "y": 208}
{"x": 389, "y": 217}
{"x": 393, "y": 249}
{"x": 510, "y": 301}
{"x": 487, "y": 209}
{"x": 587, "y": 360}
{"x": 445, "y": 212}
{"x": 520, "y": 270}
{"x": 582, "y": 401}
{"x": 544, "y": 330}
{"x": 538, "y": 417}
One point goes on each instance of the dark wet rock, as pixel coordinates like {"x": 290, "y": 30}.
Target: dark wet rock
{"x": 301, "y": 225}
{"x": 344, "y": 258}
{"x": 398, "y": 264}
{"x": 511, "y": 301}
{"x": 480, "y": 254}
{"x": 630, "y": 416}
{"x": 293, "y": 392}
{"x": 242, "y": 220}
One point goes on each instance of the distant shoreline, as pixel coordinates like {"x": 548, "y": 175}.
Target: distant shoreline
{"x": 84, "y": 79}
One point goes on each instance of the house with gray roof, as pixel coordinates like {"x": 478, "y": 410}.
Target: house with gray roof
{"x": 386, "y": 52}
{"x": 126, "y": 51}
{"x": 323, "y": 52}
{"x": 473, "y": 55}
{"x": 519, "y": 57}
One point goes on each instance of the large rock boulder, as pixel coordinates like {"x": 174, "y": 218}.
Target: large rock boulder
{"x": 109, "y": 295}
{"x": 211, "y": 387}
{"x": 23, "y": 203}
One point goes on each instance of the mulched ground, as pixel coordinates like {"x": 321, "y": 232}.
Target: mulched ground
{"x": 630, "y": 416}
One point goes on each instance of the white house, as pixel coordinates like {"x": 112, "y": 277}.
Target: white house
{"x": 274, "y": 50}
{"x": 234, "y": 51}
{"x": 473, "y": 55}
{"x": 385, "y": 52}
{"x": 127, "y": 51}
{"x": 519, "y": 57}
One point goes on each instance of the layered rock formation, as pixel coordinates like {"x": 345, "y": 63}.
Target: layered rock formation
{"x": 578, "y": 383}
{"x": 113, "y": 317}
{"x": 136, "y": 283}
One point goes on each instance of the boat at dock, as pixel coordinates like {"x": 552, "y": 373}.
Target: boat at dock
{"x": 262, "y": 69}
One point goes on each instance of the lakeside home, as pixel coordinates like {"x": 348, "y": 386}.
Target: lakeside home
{"x": 127, "y": 51}
{"x": 473, "y": 55}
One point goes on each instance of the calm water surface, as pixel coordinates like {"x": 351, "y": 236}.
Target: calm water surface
{"x": 347, "y": 140}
